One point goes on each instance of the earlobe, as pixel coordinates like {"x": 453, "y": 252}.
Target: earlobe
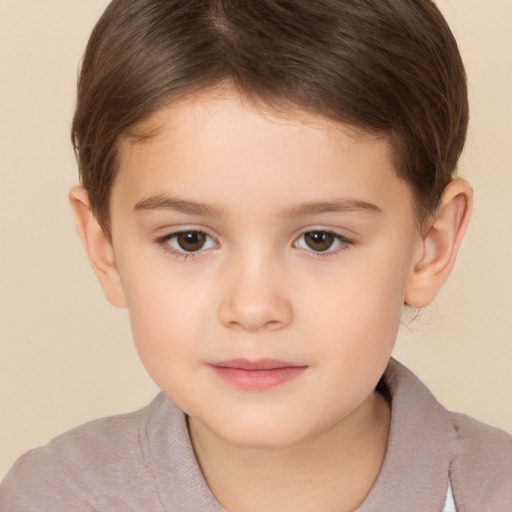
{"x": 98, "y": 246}
{"x": 440, "y": 244}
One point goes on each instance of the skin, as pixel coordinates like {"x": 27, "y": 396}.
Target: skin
{"x": 256, "y": 183}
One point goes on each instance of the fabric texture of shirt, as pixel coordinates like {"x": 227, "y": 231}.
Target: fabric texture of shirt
{"x": 144, "y": 462}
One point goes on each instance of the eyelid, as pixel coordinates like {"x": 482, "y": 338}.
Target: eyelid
{"x": 344, "y": 242}
{"x": 163, "y": 241}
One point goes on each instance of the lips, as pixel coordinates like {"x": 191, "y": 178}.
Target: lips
{"x": 256, "y": 375}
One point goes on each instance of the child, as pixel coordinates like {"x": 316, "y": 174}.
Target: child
{"x": 264, "y": 186}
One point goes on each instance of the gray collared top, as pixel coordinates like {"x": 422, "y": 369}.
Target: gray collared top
{"x": 144, "y": 462}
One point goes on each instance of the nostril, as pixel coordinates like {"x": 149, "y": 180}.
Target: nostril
{"x": 272, "y": 324}
{"x": 254, "y": 326}
{"x": 251, "y": 317}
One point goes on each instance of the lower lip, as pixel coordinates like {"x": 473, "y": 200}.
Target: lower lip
{"x": 258, "y": 380}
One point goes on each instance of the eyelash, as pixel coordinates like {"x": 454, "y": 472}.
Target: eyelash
{"x": 181, "y": 255}
{"x": 345, "y": 243}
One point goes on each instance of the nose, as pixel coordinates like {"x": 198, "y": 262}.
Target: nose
{"x": 255, "y": 297}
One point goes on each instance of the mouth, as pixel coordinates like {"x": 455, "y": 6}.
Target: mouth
{"x": 258, "y": 375}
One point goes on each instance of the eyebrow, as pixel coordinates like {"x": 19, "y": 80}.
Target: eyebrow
{"x": 344, "y": 205}
{"x": 163, "y": 202}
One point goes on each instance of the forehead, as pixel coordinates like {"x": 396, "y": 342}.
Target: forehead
{"x": 222, "y": 107}
{"x": 217, "y": 143}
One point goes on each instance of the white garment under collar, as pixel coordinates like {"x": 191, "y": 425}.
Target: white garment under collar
{"x": 449, "y": 506}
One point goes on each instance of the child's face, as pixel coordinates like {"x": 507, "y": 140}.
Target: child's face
{"x": 295, "y": 244}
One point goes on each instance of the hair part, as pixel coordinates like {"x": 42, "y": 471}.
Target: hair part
{"x": 385, "y": 67}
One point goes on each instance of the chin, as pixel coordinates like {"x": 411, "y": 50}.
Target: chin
{"x": 263, "y": 435}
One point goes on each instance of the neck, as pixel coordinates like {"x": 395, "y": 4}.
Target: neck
{"x": 332, "y": 471}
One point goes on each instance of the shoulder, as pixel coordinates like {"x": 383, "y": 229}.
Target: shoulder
{"x": 429, "y": 447}
{"x": 74, "y": 467}
{"x": 481, "y": 468}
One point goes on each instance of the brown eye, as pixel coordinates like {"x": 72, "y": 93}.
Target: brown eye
{"x": 190, "y": 241}
{"x": 319, "y": 241}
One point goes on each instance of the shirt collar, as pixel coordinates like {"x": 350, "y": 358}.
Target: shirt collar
{"x": 414, "y": 474}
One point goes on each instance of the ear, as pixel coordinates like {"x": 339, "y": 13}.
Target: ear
{"x": 98, "y": 247}
{"x": 440, "y": 244}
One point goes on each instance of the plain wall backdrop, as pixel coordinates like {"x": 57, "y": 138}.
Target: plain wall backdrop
{"x": 67, "y": 355}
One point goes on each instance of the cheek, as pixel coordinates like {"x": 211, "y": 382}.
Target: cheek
{"x": 363, "y": 301}
{"x": 362, "y": 319}
{"x": 164, "y": 311}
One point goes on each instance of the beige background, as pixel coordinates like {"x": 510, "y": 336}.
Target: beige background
{"x": 67, "y": 356}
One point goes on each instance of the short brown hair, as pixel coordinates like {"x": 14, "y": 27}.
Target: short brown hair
{"x": 388, "y": 67}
